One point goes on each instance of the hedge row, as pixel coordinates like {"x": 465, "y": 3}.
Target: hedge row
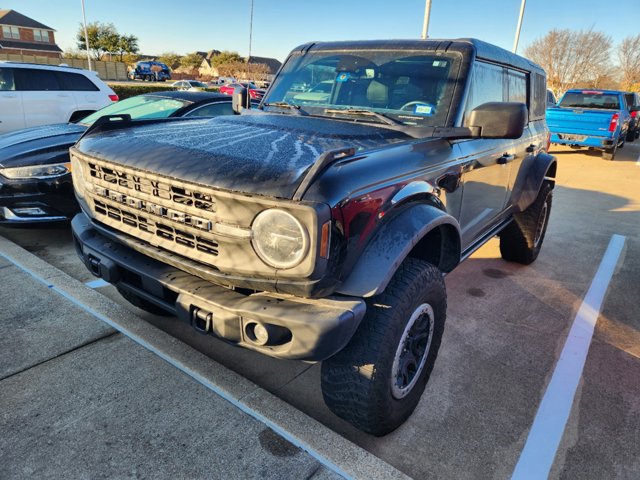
{"x": 126, "y": 91}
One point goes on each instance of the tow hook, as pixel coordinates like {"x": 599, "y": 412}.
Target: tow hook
{"x": 94, "y": 265}
{"x": 202, "y": 320}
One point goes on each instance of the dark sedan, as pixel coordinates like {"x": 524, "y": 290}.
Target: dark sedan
{"x": 35, "y": 173}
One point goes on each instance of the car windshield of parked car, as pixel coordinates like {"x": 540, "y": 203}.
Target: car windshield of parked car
{"x": 411, "y": 87}
{"x": 140, "y": 107}
{"x": 590, "y": 100}
{"x": 197, "y": 84}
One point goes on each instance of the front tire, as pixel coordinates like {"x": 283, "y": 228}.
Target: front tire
{"x": 521, "y": 240}
{"x": 377, "y": 380}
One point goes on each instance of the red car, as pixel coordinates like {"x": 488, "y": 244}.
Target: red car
{"x": 254, "y": 92}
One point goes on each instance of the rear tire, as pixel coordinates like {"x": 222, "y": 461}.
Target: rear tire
{"x": 609, "y": 153}
{"x": 141, "y": 303}
{"x": 377, "y": 380}
{"x": 521, "y": 240}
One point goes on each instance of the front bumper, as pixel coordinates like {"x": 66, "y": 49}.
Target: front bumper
{"x": 37, "y": 201}
{"x": 301, "y": 328}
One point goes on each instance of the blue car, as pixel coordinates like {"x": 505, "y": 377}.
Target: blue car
{"x": 152, "y": 71}
{"x": 590, "y": 118}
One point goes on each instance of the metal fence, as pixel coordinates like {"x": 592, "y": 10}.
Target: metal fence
{"x": 106, "y": 70}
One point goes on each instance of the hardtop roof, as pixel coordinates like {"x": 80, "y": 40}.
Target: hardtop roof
{"x": 479, "y": 48}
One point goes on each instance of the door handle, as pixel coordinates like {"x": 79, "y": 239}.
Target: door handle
{"x": 531, "y": 148}
{"x": 505, "y": 158}
{"x": 9, "y": 95}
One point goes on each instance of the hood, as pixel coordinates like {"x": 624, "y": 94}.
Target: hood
{"x": 264, "y": 154}
{"x": 39, "y": 145}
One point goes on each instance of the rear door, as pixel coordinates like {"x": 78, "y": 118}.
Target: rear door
{"x": 87, "y": 95}
{"x": 11, "y": 111}
{"x": 44, "y": 98}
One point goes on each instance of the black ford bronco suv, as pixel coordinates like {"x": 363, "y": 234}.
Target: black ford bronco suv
{"x": 319, "y": 225}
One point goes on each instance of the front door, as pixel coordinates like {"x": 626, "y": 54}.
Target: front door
{"x": 486, "y": 171}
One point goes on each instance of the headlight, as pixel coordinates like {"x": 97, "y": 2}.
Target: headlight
{"x": 37, "y": 171}
{"x": 77, "y": 176}
{"x": 279, "y": 239}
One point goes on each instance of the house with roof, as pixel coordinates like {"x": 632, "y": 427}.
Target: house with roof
{"x": 207, "y": 69}
{"x": 22, "y": 35}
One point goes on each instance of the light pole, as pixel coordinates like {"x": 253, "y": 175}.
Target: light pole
{"x": 425, "y": 24}
{"x": 86, "y": 34}
{"x": 250, "y": 29}
{"x": 517, "y": 39}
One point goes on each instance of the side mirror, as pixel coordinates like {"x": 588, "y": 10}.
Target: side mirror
{"x": 240, "y": 99}
{"x": 499, "y": 119}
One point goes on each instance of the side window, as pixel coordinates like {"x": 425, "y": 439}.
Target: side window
{"x": 34, "y": 80}
{"x": 540, "y": 98}
{"x": 517, "y": 87}
{"x": 212, "y": 110}
{"x": 77, "y": 82}
{"x": 487, "y": 85}
{"x": 6, "y": 79}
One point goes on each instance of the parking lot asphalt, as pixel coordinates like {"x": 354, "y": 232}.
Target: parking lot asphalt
{"x": 506, "y": 329}
{"x": 87, "y": 390}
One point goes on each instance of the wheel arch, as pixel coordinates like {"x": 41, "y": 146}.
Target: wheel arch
{"x": 530, "y": 178}
{"x": 420, "y": 231}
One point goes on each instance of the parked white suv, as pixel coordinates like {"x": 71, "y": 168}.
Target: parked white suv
{"x": 32, "y": 95}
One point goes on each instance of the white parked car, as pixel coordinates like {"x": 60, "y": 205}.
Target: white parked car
{"x": 189, "y": 85}
{"x": 32, "y": 95}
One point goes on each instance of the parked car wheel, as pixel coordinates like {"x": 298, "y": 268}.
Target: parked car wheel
{"x": 141, "y": 303}
{"x": 609, "y": 153}
{"x": 522, "y": 239}
{"x": 376, "y": 381}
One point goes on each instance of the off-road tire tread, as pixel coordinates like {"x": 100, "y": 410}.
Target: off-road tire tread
{"x": 361, "y": 401}
{"x": 517, "y": 239}
{"x": 141, "y": 303}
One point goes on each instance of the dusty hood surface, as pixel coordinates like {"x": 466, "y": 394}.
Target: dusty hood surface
{"x": 39, "y": 145}
{"x": 260, "y": 154}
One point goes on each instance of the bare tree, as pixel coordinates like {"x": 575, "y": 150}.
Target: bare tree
{"x": 572, "y": 57}
{"x": 629, "y": 59}
{"x": 241, "y": 69}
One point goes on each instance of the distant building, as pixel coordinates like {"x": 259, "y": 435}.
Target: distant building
{"x": 209, "y": 70}
{"x": 273, "y": 64}
{"x": 22, "y": 35}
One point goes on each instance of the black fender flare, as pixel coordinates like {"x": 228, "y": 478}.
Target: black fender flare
{"x": 394, "y": 241}
{"x": 530, "y": 177}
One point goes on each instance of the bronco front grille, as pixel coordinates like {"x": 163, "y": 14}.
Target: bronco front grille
{"x": 177, "y": 218}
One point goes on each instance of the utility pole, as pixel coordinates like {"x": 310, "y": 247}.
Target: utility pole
{"x": 250, "y": 30}
{"x": 517, "y": 39}
{"x": 86, "y": 34}
{"x": 425, "y": 24}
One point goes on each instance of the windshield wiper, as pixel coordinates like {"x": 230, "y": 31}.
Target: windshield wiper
{"x": 361, "y": 111}
{"x": 295, "y": 108}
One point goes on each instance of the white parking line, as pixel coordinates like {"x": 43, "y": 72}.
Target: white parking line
{"x": 638, "y": 161}
{"x": 546, "y": 432}
{"x": 99, "y": 283}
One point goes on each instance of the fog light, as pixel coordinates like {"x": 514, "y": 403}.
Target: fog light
{"x": 260, "y": 334}
{"x": 29, "y": 211}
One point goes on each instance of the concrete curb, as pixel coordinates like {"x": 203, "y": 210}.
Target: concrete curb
{"x": 330, "y": 449}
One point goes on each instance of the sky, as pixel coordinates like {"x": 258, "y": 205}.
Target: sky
{"x": 281, "y": 25}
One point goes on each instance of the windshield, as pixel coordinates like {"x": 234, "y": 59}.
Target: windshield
{"x": 140, "y": 107}
{"x": 410, "y": 87}
{"x": 590, "y": 100}
{"x": 197, "y": 84}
